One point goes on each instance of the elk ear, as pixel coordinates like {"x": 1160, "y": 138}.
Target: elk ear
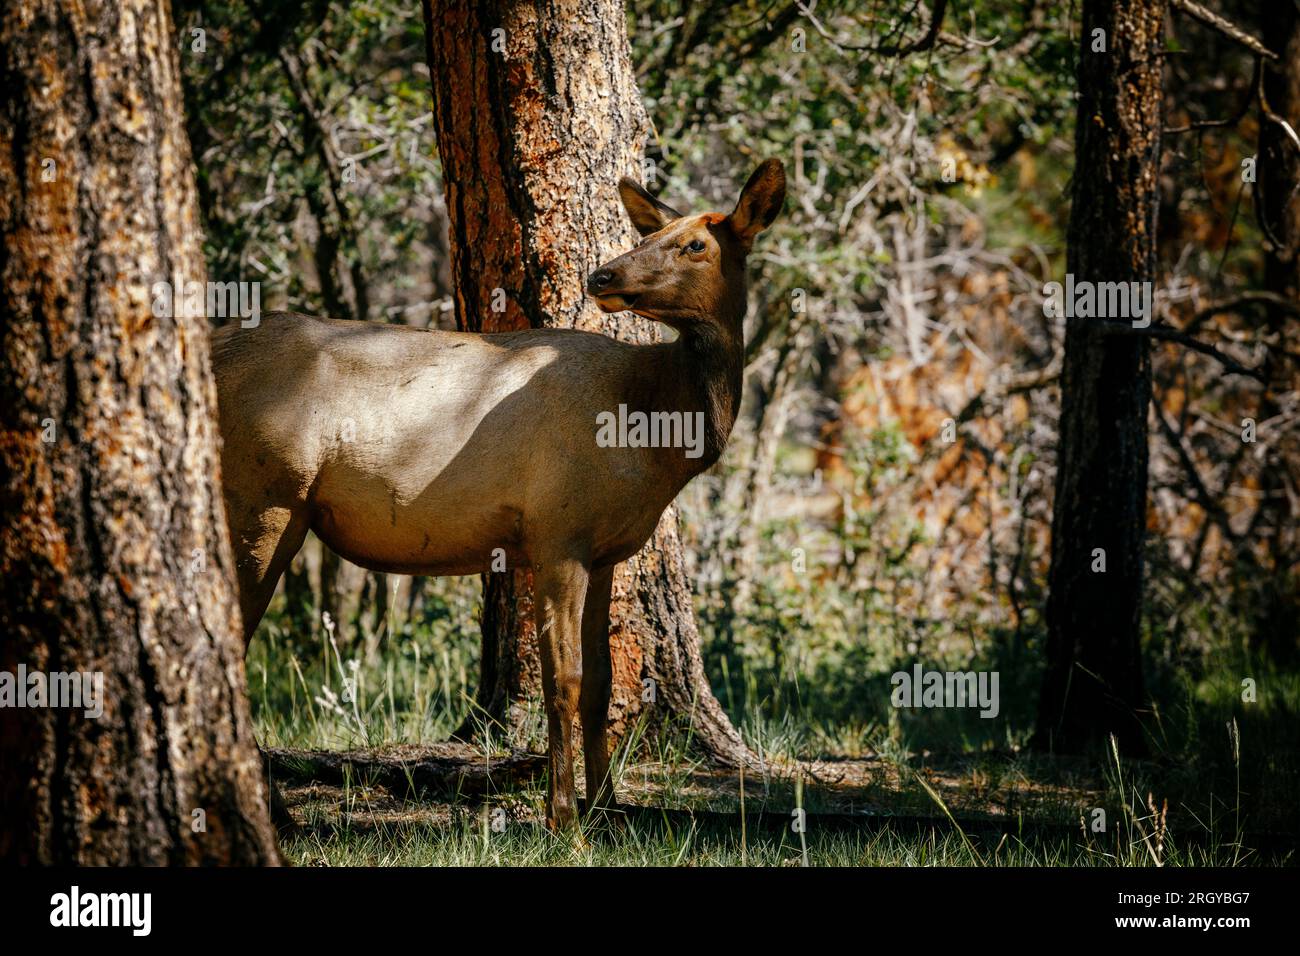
{"x": 760, "y": 202}
{"x": 647, "y": 213}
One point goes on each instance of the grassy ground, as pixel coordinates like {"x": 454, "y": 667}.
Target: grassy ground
{"x": 875, "y": 788}
{"x": 444, "y": 835}
{"x": 360, "y": 823}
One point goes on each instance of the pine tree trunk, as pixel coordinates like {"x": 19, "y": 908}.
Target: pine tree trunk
{"x": 299, "y": 601}
{"x": 1277, "y": 614}
{"x": 113, "y": 555}
{"x": 1093, "y": 684}
{"x": 537, "y": 116}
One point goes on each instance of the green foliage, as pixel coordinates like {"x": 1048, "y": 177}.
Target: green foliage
{"x": 264, "y": 148}
{"x": 413, "y": 683}
{"x": 817, "y": 647}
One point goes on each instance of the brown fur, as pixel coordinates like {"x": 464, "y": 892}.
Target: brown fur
{"x": 421, "y": 452}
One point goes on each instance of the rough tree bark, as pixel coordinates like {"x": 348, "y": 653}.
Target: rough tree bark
{"x": 1093, "y": 684}
{"x": 113, "y": 550}
{"x": 537, "y": 116}
{"x": 1277, "y": 615}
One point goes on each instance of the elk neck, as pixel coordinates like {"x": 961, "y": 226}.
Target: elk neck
{"x": 704, "y": 374}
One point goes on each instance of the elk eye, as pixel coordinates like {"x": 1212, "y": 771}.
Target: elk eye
{"x": 695, "y": 246}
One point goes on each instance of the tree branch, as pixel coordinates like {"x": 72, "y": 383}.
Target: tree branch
{"x": 924, "y": 43}
{"x": 1212, "y": 507}
{"x": 1224, "y": 26}
{"x": 1233, "y": 120}
{"x": 1235, "y": 303}
{"x": 1170, "y": 334}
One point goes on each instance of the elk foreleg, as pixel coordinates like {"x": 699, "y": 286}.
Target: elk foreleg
{"x": 559, "y": 589}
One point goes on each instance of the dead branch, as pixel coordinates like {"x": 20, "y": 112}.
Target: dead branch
{"x": 1224, "y": 26}
{"x": 1011, "y": 384}
{"x": 1170, "y": 334}
{"x": 1211, "y": 506}
{"x": 925, "y": 42}
{"x": 1235, "y": 118}
{"x": 1235, "y": 304}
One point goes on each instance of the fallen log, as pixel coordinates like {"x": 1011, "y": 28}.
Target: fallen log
{"x": 452, "y": 768}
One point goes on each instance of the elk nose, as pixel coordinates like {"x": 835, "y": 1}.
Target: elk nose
{"x": 599, "y": 280}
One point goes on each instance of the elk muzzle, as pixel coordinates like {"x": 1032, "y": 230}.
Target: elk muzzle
{"x": 603, "y": 285}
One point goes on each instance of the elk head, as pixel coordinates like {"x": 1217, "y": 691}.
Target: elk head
{"x": 688, "y": 269}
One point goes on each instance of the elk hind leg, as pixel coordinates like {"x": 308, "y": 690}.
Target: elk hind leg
{"x": 597, "y": 677}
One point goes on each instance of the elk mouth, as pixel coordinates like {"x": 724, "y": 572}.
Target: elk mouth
{"x": 617, "y": 301}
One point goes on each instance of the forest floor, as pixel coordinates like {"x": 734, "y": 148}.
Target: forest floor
{"x": 447, "y": 804}
{"x": 355, "y": 738}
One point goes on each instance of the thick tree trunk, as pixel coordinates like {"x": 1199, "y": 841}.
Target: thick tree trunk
{"x": 1277, "y": 613}
{"x": 113, "y": 550}
{"x": 1093, "y": 685}
{"x": 537, "y": 116}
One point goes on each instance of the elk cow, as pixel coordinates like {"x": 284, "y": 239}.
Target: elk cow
{"x": 413, "y": 451}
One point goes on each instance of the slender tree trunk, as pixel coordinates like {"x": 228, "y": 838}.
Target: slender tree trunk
{"x": 1093, "y": 685}
{"x": 1277, "y": 614}
{"x": 299, "y": 601}
{"x": 113, "y": 550}
{"x": 341, "y": 584}
{"x": 537, "y": 116}
{"x": 771, "y": 417}
{"x": 344, "y": 288}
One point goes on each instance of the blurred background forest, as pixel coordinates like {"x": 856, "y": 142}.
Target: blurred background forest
{"x": 841, "y": 537}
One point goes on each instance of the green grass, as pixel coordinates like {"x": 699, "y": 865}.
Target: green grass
{"x": 1218, "y": 786}
{"x": 467, "y": 845}
{"x": 468, "y": 839}
{"x": 410, "y": 682}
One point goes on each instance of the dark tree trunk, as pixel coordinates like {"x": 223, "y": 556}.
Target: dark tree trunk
{"x": 114, "y": 554}
{"x": 341, "y": 585}
{"x": 1277, "y": 613}
{"x": 299, "y": 601}
{"x": 1093, "y": 684}
{"x": 533, "y": 137}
